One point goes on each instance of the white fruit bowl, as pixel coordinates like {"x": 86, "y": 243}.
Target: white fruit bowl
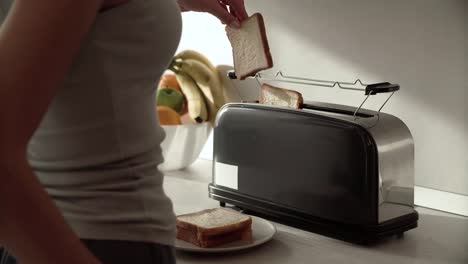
{"x": 183, "y": 144}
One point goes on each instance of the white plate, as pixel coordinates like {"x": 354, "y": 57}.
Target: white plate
{"x": 262, "y": 232}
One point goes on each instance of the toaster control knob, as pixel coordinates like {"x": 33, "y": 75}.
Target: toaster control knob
{"x": 232, "y": 75}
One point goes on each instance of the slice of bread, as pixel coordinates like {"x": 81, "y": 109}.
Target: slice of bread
{"x": 251, "y": 52}
{"x": 214, "y": 221}
{"x": 214, "y": 227}
{"x": 270, "y": 95}
{"x": 214, "y": 240}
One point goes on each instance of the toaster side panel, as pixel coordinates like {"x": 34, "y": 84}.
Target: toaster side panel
{"x": 317, "y": 165}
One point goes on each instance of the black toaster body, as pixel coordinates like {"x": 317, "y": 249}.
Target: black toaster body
{"x": 320, "y": 168}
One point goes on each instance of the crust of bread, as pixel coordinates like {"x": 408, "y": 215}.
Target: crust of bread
{"x": 188, "y": 236}
{"x": 214, "y": 230}
{"x": 242, "y": 235}
{"x": 265, "y": 87}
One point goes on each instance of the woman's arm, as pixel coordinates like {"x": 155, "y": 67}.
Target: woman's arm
{"x": 38, "y": 42}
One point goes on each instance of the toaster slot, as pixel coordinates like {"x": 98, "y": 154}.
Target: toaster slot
{"x": 335, "y": 111}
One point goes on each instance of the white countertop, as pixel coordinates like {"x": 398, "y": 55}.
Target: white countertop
{"x": 439, "y": 238}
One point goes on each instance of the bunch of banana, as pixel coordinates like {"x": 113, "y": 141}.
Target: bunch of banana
{"x": 198, "y": 76}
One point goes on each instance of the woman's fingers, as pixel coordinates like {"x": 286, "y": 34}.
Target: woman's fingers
{"x": 219, "y": 8}
{"x": 221, "y": 12}
{"x": 230, "y": 10}
{"x": 238, "y": 8}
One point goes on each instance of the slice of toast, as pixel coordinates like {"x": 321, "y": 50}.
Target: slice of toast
{"x": 214, "y": 240}
{"x": 251, "y": 52}
{"x": 270, "y": 95}
{"x": 214, "y": 227}
{"x": 214, "y": 221}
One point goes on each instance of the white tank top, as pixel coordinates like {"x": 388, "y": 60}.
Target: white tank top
{"x": 98, "y": 147}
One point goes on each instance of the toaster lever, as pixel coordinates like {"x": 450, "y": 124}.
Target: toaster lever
{"x": 376, "y": 88}
{"x": 384, "y": 87}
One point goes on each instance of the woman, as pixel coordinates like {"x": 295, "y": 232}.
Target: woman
{"x": 79, "y": 134}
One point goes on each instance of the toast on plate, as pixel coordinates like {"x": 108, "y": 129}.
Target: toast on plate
{"x": 214, "y": 227}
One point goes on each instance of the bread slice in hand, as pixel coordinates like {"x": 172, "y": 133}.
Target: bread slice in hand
{"x": 270, "y": 95}
{"x": 214, "y": 227}
{"x": 251, "y": 52}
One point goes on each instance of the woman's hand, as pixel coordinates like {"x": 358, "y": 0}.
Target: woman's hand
{"x": 230, "y": 12}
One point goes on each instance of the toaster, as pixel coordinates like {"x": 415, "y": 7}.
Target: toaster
{"x": 336, "y": 170}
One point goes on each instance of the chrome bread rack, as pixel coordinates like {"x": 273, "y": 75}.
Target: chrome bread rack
{"x": 357, "y": 85}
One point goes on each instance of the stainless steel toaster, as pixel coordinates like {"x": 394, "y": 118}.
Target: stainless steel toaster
{"x": 331, "y": 169}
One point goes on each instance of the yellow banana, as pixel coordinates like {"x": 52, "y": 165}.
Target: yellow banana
{"x": 195, "y": 55}
{"x": 207, "y": 80}
{"x": 200, "y": 73}
{"x": 197, "y": 109}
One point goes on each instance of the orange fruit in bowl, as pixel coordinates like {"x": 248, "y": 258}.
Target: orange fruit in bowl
{"x": 167, "y": 116}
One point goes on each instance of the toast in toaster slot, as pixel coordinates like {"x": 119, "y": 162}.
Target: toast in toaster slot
{"x": 271, "y": 95}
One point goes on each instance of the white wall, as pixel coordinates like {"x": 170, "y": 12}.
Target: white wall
{"x": 420, "y": 44}
{"x": 204, "y": 33}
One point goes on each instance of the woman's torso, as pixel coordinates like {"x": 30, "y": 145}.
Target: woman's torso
{"x": 96, "y": 150}
{"x": 112, "y": 3}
